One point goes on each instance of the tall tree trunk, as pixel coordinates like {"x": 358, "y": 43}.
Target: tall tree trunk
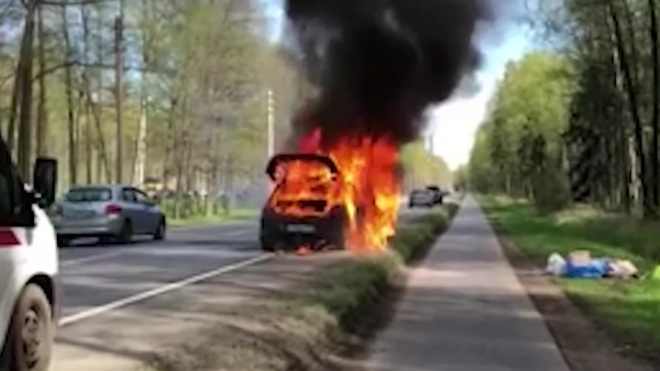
{"x": 655, "y": 123}
{"x": 13, "y": 109}
{"x": 88, "y": 145}
{"x": 42, "y": 113}
{"x": 119, "y": 77}
{"x": 25, "y": 127}
{"x": 141, "y": 152}
{"x": 631, "y": 91}
{"x": 84, "y": 14}
{"x": 71, "y": 117}
{"x": 22, "y": 77}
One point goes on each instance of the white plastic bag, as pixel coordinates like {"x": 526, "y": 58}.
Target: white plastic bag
{"x": 556, "y": 265}
{"x": 623, "y": 269}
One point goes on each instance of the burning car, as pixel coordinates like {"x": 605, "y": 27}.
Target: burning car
{"x": 306, "y": 207}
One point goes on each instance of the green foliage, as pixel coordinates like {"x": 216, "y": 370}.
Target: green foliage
{"x": 629, "y": 311}
{"x": 423, "y": 168}
{"x": 613, "y": 138}
{"x": 519, "y": 150}
{"x": 348, "y": 290}
{"x": 199, "y": 71}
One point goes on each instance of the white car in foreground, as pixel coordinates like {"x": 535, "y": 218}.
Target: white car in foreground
{"x": 28, "y": 268}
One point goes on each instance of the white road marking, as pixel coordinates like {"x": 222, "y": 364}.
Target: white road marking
{"x": 112, "y": 254}
{"x": 160, "y": 291}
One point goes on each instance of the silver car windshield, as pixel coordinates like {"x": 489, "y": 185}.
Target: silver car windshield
{"x": 89, "y": 195}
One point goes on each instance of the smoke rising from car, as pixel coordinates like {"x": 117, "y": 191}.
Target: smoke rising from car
{"x": 379, "y": 64}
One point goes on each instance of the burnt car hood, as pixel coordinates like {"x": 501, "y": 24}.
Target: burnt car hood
{"x": 276, "y": 161}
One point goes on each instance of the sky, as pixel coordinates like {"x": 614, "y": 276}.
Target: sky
{"x": 453, "y": 125}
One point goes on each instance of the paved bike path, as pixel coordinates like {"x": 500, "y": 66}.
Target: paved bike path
{"x": 464, "y": 309}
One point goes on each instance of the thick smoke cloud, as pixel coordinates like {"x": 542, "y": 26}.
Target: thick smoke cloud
{"x": 380, "y": 63}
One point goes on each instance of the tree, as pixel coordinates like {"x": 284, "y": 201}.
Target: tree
{"x": 519, "y": 150}
{"x": 614, "y": 45}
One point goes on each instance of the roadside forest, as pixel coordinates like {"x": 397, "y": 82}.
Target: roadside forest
{"x": 173, "y": 92}
{"x": 579, "y": 121}
{"x": 188, "y": 97}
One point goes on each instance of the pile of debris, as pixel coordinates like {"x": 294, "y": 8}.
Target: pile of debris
{"x": 580, "y": 264}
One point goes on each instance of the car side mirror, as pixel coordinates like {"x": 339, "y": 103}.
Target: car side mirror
{"x": 45, "y": 181}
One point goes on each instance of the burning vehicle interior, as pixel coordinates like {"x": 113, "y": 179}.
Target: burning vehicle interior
{"x": 344, "y": 196}
{"x": 305, "y": 208}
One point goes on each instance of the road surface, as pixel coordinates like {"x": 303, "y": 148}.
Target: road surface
{"x": 124, "y": 302}
{"x": 96, "y": 276}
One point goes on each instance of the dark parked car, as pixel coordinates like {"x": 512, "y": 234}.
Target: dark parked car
{"x": 422, "y": 198}
{"x": 438, "y": 194}
{"x": 110, "y": 212}
{"x": 305, "y": 207}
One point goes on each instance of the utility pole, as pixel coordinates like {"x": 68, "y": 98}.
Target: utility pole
{"x": 119, "y": 70}
{"x": 271, "y": 124}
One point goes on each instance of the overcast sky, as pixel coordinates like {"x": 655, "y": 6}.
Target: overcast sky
{"x": 454, "y": 124}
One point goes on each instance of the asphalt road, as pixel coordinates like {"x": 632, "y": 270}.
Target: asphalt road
{"x": 101, "y": 278}
{"x": 97, "y": 277}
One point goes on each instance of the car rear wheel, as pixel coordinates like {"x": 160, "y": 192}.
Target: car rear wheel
{"x": 161, "y": 230}
{"x": 266, "y": 245}
{"x": 126, "y": 233}
{"x": 30, "y": 338}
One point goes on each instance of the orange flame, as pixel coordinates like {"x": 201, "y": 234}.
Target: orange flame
{"x": 368, "y": 187}
{"x": 305, "y": 189}
{"x": 371, "y": 189}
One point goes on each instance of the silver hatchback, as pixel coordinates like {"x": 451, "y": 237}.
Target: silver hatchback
{"x": 109, "y": 212}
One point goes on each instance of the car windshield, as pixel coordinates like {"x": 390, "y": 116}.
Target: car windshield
{"x": 89, "y": 195}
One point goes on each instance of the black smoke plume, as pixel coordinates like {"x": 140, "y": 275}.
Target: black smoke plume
{"x": 380, "y": 63}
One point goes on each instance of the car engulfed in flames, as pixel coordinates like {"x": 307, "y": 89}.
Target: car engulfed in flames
{"x": 305, "y": 209}
{"x": 345, "y": 196}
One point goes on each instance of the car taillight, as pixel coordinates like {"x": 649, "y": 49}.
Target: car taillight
{"x": 113, "y": 210}
{"x": 8, "y": 239}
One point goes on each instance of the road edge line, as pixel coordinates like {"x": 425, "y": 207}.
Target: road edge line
{"x": 69, "y": 320}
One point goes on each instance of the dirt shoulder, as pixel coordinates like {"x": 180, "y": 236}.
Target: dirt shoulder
{"x": 584, "y": 346}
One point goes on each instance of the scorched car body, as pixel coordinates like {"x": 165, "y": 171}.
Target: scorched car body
{"x": 305, "y": 208}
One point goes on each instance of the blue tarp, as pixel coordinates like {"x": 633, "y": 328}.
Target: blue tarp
{"x": 597, "y": 268}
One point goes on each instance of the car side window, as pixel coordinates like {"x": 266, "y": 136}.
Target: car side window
{"x": 140, "y": 197}
{"x": 127, "y": 195}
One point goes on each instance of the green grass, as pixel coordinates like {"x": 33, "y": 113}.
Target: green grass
{"x": 300, "y": 329}
{"x": 628, "y": 310}
{"x": 195, "y": 220}
{"x": 350, "y": 288}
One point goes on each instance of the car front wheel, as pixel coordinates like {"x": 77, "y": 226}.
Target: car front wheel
{"x": 30, "y": 338}
{"x": 161, "y": 230}
{"x": 126, "y": 233}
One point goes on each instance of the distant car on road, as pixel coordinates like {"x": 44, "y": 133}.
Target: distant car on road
{"x": 305, "y": 208}
{"x": 438, "y": 194}
{"x": 109, "y": 212}
{"x": 422, "y": 198}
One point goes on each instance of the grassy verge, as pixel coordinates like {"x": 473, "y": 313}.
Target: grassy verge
{"x": 307, "y": 328}
{"x": 348, "y": 290}
{"x": 195, "y": 220}
{"x": 628, "y": 311}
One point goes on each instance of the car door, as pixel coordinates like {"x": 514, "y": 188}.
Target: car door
{"x": 132, "y": 210}
{"x": 17, "y": 221}
{"x": 151, "y": 213}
